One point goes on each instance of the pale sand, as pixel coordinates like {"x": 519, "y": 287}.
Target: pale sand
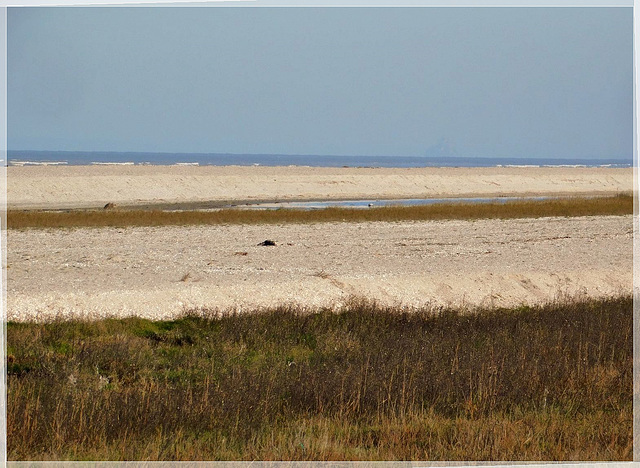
{"x": 50, "y": 187}
{"x": 138, "y": 271}
{"x": 105, "y": 272}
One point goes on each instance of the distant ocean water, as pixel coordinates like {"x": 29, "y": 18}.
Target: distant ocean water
{"x": 74, "y": 158}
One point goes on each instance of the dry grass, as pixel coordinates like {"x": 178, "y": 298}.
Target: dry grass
{"x": 366, "y": 383}
{"x": 616, "y": 205}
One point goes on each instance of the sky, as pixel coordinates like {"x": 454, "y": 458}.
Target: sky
{"x": 469, "y": 82}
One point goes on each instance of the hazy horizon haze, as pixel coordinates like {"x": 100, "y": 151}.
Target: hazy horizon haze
{"x": 469, "y": 82}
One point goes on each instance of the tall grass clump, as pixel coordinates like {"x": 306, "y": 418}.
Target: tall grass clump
{"x": 616, "y": 205}
{"x": 549, "y": 382}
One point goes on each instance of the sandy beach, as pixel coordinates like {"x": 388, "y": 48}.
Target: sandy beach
{"x": 53, "y": 187}
{"x": 160, "y": 272}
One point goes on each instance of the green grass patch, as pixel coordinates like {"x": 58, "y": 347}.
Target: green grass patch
{"x": 551, "y": 382}
{"x": 616, "y": 205}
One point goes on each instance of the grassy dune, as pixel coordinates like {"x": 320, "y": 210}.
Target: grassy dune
{"x": 365, "y": 383}
{"x": 616, "y": 205}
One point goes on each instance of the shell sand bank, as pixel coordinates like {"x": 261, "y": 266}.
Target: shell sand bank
{"x": 158, "y": 272}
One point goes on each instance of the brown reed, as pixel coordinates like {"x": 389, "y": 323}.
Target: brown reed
{"x": 551, "y": 382}
{"x": 616, "y": 205}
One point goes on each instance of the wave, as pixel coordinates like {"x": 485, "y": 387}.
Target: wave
{"x": 17, "y": 158}
{"x": 37, "y": 163}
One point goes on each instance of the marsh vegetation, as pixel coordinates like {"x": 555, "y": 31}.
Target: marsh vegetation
{"x": 365, "y": 382}
{"x": 575, "y": 206}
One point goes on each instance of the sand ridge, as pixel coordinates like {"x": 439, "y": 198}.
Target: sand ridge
{"x": 158, "y": 272}
{"x": 51, "y": 187}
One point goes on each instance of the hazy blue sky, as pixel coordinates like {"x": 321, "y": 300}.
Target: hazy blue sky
{"x": 506, "y": 82}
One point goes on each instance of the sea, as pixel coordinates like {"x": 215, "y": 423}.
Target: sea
{"x": 74, "y": 158}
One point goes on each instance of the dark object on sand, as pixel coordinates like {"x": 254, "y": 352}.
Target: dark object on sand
{"x": 267, "y": 242}
{"x": 109, "y": 206}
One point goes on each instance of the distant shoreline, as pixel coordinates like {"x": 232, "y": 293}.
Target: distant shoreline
{"x": 81, "y": 158}
{"x": 82, "y": 187}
